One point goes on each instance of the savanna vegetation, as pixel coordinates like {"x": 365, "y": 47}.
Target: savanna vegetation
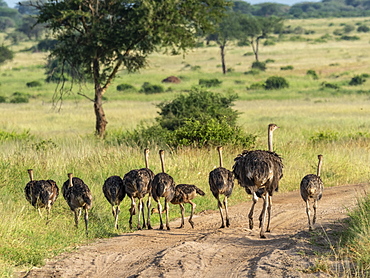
{"x": 314, "y": 86}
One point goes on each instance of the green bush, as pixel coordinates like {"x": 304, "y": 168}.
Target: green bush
{"x": 5, "y": 54}
{"x": 350, "y": 38}
{"x": 330, "y": 85}
{"x": 287, "y": 68}
{"x": 210, "y": 133}
{"x": 19, "y": 98}
{"x": 125, "y": 87}
{"x": 33, "y": 84}
{"x": 313, "y": 74}
{"x": 256, "y": 86}
{"x": 357, "y": 80}
{"x": 148, "y": 88}
{"x": 324, "y": 136}
{"x": 2, "y": 99}
{"x": 275, "y": 83}
{"x": 363, "y": 28}
{"x": 259, "y": 65}
{"x": 199, "y": 104}
{"x": 208, "y": 83}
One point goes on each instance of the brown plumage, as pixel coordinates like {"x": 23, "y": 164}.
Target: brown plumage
{"x": 163, "y": 186}
{"x": 221, "y": 182}
{"x": 41, "y": 193}
{"x": 78, "y": 197}
{"x": 312, "y": 188}
{"x": 137, "y": 184}
{"x": 114, "y": 191}
{"x": 259, "y": 172}
{"x": 184, "y": 194}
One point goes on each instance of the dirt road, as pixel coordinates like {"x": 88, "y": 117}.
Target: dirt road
{"x": 207, "y": 251}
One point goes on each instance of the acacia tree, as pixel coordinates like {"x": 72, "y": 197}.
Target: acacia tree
{"x": 103, "y": 36}
{"x": 257, "y": 28}
{"x": 227, "y": 30}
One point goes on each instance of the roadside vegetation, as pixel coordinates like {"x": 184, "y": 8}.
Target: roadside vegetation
{"x": 319, "y": 112}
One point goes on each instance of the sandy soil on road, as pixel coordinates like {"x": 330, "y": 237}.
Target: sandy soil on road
{"x": 207, "y": 251}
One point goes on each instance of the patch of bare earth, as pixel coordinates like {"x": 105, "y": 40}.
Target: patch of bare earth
{"x": 208, "y": 251}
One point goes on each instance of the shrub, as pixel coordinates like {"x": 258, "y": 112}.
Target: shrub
{"x": 312, "y": 73}
{"x": 259, "y": 65}
{"x": 357, "y": 80}
{"x": 148, "y": 88}
{"x": 324, "y": 136}
{"x": 19, "y": 98}
{"x": 208, "y": 83}
{"x": 253, "y": 72}
{"x": 276, "y": 82}
{"x": 199, "y": 104}
{"x": 330, "y": 85}
{"x": 363, "y": 28}
{"x": 287, "y": 68}
{"x": 125, "y": 87}
{"x": 349, "y": 38}
{"x": 256, "y": 86}
{"x": 5, "y": 54}
{"x": 2, "y": 99}
{"x": 33, "y": 84}
{"x": 210, "y": 133}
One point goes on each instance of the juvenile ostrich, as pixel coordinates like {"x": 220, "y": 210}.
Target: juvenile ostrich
{"x": 259, "y": 172}
{"x": 78, "y": 197}
{"x": 221, "y": 181}
{"x": 137, "y": 184}
{"x": 312, "y": 188}
{"x": 184, "y": 194}
{"x": 114, "y": 191}
{"x": 41, "y": 193}
{"x": 163, "y": 186}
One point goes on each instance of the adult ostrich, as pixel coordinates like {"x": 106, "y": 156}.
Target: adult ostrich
{"x": 221, "y": 182}
{"x": 259, "y": 172}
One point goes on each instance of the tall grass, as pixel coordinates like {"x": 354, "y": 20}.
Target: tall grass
{"x": 55, "y": 141}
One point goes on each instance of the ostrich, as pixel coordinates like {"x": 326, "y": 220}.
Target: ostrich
{"x": 137, "y": 184}
{"x": 114, "y": 191}
{"x": 221, "y": 181}
{"x": 78, "y": 197}
{"x": 184, "y": 193}
{"x": 163, "y": 185}
{"x": 259, "y": 172}
{"x": 312, "y": 188}
{"x": 41, "y": 193}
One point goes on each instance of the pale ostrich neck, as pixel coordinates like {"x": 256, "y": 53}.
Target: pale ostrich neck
{"x": 70, "y": 180}
{"x": 146, "y": 160}
{"x": 220, "y": 157}
{"x": 319, "y": 166}
{"x": 270, "y": 133}
{"x": 162, "y": 161}
{"x": 30, "y": 173}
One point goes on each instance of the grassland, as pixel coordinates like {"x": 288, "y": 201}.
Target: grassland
{"x": 57, "y": 140}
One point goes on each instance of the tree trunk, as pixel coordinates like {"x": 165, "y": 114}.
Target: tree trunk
{"x": 101, "y": 121}
{"x": 222, "y": 48}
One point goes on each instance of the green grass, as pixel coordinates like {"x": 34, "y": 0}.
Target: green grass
{"x": 57, "y": 140}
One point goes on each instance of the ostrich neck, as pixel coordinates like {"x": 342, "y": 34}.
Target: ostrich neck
{"x": 220, "y": 157}
{"x": 70, "y": 181}
{"x": 146, "y": 161}
{"x": 270, "y": 141}
{"x": 319, "y": 168}
{"x": 30, "y": 173}
{"x": 162, "y": 163}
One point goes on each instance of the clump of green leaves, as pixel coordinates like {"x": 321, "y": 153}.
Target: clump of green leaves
{"x": 357, "y": 80}
{"x": 330, "y": 85}
{"x": 148, "y": 88}
{"x": 125, "y": 87}
{"x": 33, "y": 84}
{"x": 18, "y": 97}
{"x": 208, "y": 83}
{"x": 324, "y": 136}
{"x": 289, "y": 67}
{"x": 313, "y": 74}
{"x": 275, "y": 83}
{"x": 259, "y": 65}
{"x": 200, "y": 118}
